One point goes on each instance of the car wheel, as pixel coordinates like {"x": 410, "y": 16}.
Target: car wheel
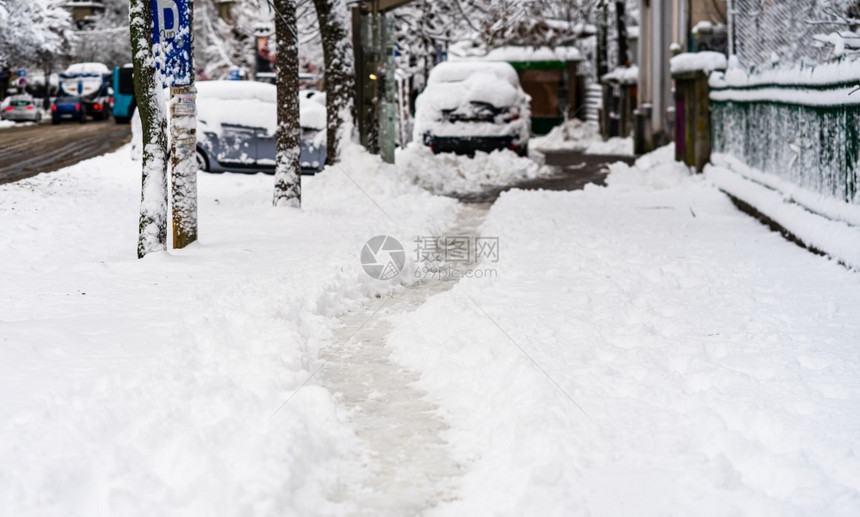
{"x": 55, "y": 121}
{"x": 202, "y": 161}
{"x": 121, "y": 120}
{"x": 523, "y": 151}
{"x": 84, "y": 117}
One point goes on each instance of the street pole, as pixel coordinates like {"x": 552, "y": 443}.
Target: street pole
{"x": 183, "y": 161}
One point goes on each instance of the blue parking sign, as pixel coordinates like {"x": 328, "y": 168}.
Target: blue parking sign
{"x": 171, "y": 38}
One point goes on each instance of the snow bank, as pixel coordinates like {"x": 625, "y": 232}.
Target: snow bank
{"x": 576, "y": 135}
{"x": 644, "y": 349}
{"x": 707, "y": 62}
{"x": 623, "y": 74}
{"x": 818, "y": 221}
{"x": 148, "y": 387}
{"x": 451, "y": 174}
{"x": 573, "y": 134}
{"x": 615, "y": 146}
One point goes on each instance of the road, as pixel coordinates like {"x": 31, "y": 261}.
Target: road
{"x": 573, "y": 170}
{"x": 28, "y": 150}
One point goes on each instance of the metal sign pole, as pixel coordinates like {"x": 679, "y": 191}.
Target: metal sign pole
{"x": 172, "y": 38}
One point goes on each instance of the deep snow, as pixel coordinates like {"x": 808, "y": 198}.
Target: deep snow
{"x": 645, "y": 349}
{"x": 642, "y": 349}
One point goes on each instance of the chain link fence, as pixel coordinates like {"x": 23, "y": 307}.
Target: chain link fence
{"x": 771, "y": 31}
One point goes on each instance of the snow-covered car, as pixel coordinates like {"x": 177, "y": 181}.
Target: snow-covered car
{"x": 237, "y": 126}
{"x": 471, "y": 106}
{"x": 21, "y": 108}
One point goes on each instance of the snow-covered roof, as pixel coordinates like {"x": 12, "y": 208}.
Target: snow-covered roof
{"x": 87, "y": 69}
{"x": 517, "y": 54}
{"x": 456, "y": 71}
{"x": 623, "y": 74}
{"x": 706, "y": 62}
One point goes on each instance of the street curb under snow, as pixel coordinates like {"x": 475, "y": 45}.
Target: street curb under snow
{"x": 823, "y": 225}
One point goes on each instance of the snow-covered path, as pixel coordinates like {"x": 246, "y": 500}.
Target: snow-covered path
{"x": 405, "y": 466}
{"x": 716, "y": 363}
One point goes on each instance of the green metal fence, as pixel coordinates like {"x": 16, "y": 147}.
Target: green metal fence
{"x": 815, "y": 145}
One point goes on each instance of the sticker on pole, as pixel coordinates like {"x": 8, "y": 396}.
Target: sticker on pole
{"x": 171, "y": 38}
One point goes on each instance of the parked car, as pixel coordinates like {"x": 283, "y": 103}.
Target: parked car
{"x": 237, "y": 125}
{"x": 21, "y": 108}
{"x": 68, "y": 108}
{"x": 471, "y": 106}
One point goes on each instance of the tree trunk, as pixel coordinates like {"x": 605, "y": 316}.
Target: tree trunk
{"x": 602, "y": 43}
{"x": 150, "y": 104}
{"x": 288, "y": 186}
{"x": 621, "y": 30}
{"x": 334, "y": 25}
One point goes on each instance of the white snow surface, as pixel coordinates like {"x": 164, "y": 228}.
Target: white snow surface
{"x": 87, "y": 69}
{"x": 513, "y": 53}
{"x": 451, "y": 174}
{"x": 623, "y": 74}
{"x": 576, "y": 135}
{"x": 250, "y": 104}
{"x": 148, "y": 387}
{"x": 839, "y": 72}
{"x": 644, "y": 349}
{"x": 824, "y": 223}
{"x": 706, "y": 61}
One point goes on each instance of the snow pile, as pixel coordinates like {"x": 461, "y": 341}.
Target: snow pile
{"x": 644, "y": 349}
{"x": 707, "y": 62}
{"x": 573, "y": 134}
{"x": 821, "y": 222}
{"x": 655, "y": 171}
{"x": 615, "y": 146}
{"x": 576, "y": 135}
{"x": 452, "y": 174}
{"x": 149, "y": 387}
{"x": 623, "y": 74}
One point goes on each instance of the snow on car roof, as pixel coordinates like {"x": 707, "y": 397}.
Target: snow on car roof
{"x": 237, "y": 90}
{"x": 87, "y": 69}
{"x": 456, "y": 71}
{"x": 250, "y": 104}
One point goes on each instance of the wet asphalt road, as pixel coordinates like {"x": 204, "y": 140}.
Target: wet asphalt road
{"x": 28, "y": 150}
{"x": 573, "y": 170}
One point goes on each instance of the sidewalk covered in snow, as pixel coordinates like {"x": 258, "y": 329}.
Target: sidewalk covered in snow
{"x": 640, "y": 349}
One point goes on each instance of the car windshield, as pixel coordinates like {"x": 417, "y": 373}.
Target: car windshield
{"x": 20, "y": 103}
{"x": 67, "y": 100}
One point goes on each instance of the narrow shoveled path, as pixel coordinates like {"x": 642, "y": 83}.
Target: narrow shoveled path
{"x": 405, "y": 467}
